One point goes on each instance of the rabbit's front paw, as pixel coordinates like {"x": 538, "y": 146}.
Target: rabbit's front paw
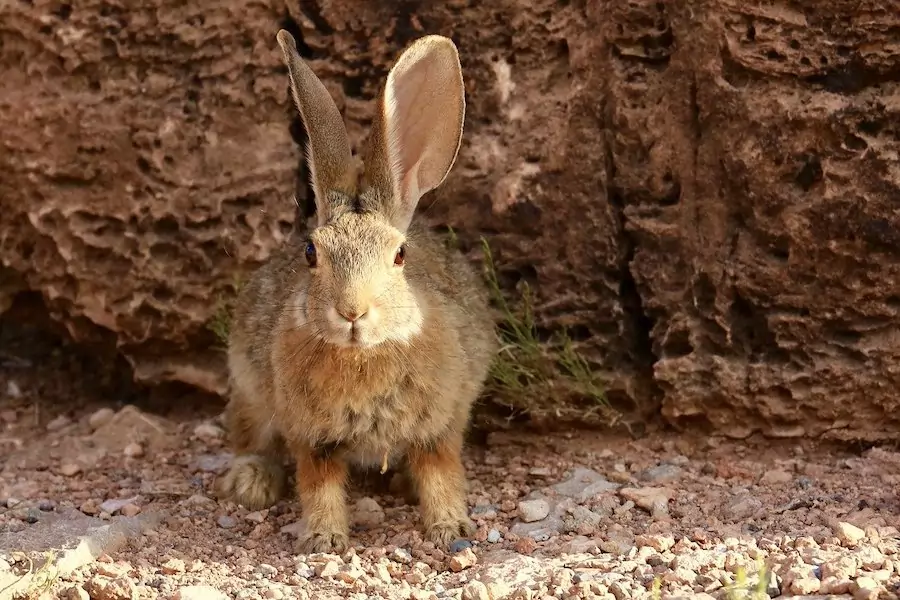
{"x": 445, "y": 533}
{"x": 254, "y": 481}
{"x": 322, "y": 541}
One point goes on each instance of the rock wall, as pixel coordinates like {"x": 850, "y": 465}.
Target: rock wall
{"x": 703, "y": 192}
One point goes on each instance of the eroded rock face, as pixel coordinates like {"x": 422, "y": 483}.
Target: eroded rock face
{"x": 701, "y": 192}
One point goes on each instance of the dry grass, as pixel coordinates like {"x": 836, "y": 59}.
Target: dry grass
{"x": 37, "y": 581}
{"x": 220, "y": 323}
{"x": 540, "y": 378}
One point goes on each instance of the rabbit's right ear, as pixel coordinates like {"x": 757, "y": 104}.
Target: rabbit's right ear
{"x": 328, "y": 152}
{"x": 418, "y": 128}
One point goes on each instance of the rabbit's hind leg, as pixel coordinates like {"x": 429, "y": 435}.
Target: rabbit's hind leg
{"x": 256, "y": 478}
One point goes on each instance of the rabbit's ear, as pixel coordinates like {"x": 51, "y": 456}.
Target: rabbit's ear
{"x": 328, "y": 152}
{"x": 418, "y": 131}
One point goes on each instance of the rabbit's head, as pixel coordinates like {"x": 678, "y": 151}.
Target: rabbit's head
{"x": 358, "y": 291}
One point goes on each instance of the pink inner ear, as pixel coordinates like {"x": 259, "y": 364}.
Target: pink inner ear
{"x": 412, "y": 130}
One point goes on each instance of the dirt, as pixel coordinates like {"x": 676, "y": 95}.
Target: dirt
{"x": 577, "y": 515}
{"x": 724, "y": 173}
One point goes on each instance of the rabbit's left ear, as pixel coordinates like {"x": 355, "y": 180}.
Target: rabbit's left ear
{"x": 419, "y": 129}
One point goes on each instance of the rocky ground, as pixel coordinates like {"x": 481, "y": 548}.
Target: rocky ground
{"x": 579, "y": 515}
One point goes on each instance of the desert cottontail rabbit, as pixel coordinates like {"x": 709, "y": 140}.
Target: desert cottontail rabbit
{"x": 367, "y": 343}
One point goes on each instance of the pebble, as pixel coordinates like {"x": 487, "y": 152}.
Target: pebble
{"x": 69, "y": 469}
{"x": 226, "y": 522}
{"x": 328, "y": 569}
{"x": 850, "y": 535}
{"x": 46, "y": 505}
{"x": 267, "y": 570}
{"x": 13, "y": 390}
{"x": 113, "y": 506}
{"x": 534, "y": 510}
{"x": 130, "y": 510}
{"x": 741, "y": 508}
{"x": 475, "y": 590}
{"x": 133, "y": 450}
{"x": 775, "y": 477}
{"x": 209, "y": 431}
{"x": 463, "y": 560}
{"x": 494, "y": 536}
{"x": 257, "y": 516}
{"x": 173, "y": 566}
{"x": 199, "y": 592}
{"x": 459, "y": 545}
{"x": 58, "y": 423}
{"x": 75, "y": 592}
{"x": 402, "y": 556}
{"x": 100, "y": 418}
{"x": 105, "y": 588}
{"x": 90, "y": 507}
{"x": 652, "y": 499}
{"x": 661, "y": 474}
{"x": 368, "y": 513}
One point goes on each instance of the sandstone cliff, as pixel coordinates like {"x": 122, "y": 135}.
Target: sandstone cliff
{"x": 703, "y": 192}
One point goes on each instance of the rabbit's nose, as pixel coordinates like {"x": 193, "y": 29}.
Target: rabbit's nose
{"x": 352, "y": 315}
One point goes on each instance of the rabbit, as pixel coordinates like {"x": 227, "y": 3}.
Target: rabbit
{"x": 367, "y": 344}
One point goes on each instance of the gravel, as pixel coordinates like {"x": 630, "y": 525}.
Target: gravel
{"x": 558, "y": 516}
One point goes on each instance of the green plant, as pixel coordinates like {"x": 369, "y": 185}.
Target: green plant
{"x": 527, "y": 370}
{"x": 220, "y": 322}
{"x": 743, "y": 589}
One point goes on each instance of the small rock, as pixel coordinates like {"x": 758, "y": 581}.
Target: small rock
{"x": 101, "y": 418}
{"x": 75, "y": 592}
{"x": 46, "y": 505}
{"x": 660, "y": 543}
{"x": 486, "y": 512}
{"x": 212, "y": 463}
{"x": 494, "y": 536}
{"x": 131, "y": 510}
{"x": 463, "y": 560}
{"x": 13, "y": 390}
{"x": 475, "y": 590}
{"x": 579, "y": 481}
{"x": 199, "y": 592}
{"x": 328, "y": 569}
{"x": 526, "y": 545}
{"x": 209, "y": 431}
{"x": 173, "y": 566}
{"x": 69, "y": 469}
{"x": 104, "y": 588}
{"x": 267, "y": 570}
{"x": 865, "y": 588}
{"x": 652, "y": 499}
{"x": 226, "y": 522}
{"x": 741, "y": 508}
{"x": 115, "y": 505}
{"x": 805, "y": 586}
{"x": 534, "y": 510}
{"x": 775, "y": 477}
{"x": 402, "y": 556}
{"x": 368, "y": 513}
{"x": 459, "y": 545}
{"x": 58, "y": 423}
{"x": 133, "y": 450}
{"x": 850, "y": 535}
{"x": 661, "y": 474}
{"x": 257, "y": 516}
{"x": 90, "y": 507}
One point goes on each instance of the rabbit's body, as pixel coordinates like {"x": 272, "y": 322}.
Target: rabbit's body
{"x": 372, "y": 402}
{"x": 368, "y": 343}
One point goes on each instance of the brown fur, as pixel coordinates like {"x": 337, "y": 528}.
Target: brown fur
{"x": 404, "y": 390}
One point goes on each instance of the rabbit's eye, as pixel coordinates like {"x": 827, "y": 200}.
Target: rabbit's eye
{"x": 400, "y": 258}
{"x": 310, "y": 254}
